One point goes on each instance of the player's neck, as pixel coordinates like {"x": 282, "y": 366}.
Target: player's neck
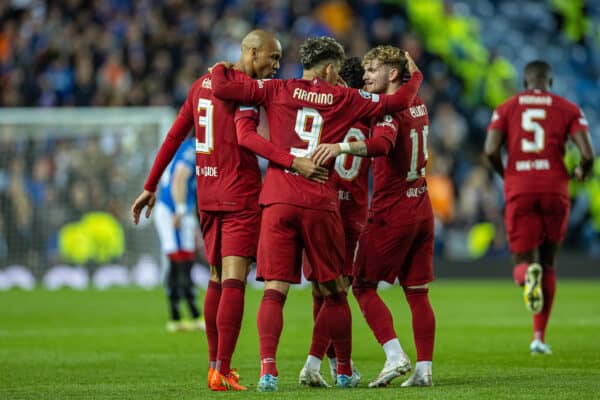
{"x": 241, "y": 67}
{"x": 310, "y": 75}
{"x": 392, "y": 88}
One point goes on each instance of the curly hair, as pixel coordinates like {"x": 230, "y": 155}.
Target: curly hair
{"x": 388, "y": 55}
{"x": 316, "y": 50}
{"x": 352, "y": 72}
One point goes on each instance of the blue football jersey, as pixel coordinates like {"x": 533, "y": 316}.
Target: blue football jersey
{"x": 186, "y": 156}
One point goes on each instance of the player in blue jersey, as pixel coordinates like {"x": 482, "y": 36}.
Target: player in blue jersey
{"x": 176, "y": 222}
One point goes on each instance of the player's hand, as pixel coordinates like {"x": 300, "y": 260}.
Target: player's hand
{"x": 325, "y": 152}
{"x": 410, "y": 64}
{"x": 578, "y": 174}
{"x": 226, "y": 64}
{"x": 308, "y": 169}
{"x": 145, "y": 199}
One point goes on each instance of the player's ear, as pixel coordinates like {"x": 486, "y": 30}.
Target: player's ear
{"x": 253, "y": 52}
{"x": 394, "y": 74}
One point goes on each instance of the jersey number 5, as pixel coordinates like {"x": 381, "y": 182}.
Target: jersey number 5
{"x": 205, "y": 107}
{"x": 529, "y": 124}
{"x": 309, "y": 124}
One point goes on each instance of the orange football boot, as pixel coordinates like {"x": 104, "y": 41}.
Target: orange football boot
{"x": 211, "y": 371}
{"x": 222, "y": 383}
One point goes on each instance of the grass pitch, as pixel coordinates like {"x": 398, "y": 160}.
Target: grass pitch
{"x": 112, "y": 345}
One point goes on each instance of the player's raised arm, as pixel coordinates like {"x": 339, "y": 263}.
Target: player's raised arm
{"x": 247, "y": 92}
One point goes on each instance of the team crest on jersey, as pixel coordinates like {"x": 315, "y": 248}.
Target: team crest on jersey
{"x": 206, "y": 83}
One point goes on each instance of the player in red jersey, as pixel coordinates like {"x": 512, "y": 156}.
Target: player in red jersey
{"x": 299, "y": 214}
{"x": 397, "y": 241}
{"x": 534, "y": 125}
{"x": 351, "y": 178}
{"x": 228, "y": 184}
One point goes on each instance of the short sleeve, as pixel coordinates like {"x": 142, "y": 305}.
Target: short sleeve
{"x": 387, "y": 127}
{"x": 578, "y": 121}
{"x": 498, "y": 121}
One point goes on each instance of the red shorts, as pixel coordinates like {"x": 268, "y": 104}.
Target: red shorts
{"x": 388, "y": 252}
{"x": 229, "y": 233}
{"x": 352, "y": 231}
{"x": 286, "y": 230}
{"x": 533, "y": 218}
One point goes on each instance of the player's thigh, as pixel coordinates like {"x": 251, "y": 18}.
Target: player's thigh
{"x": 239, "y": 233}
{"x": 323, "y": 237}
{"x": 417, "y": 268}
{"x": 555, "y": 216}
{"x": 210, "y": 225}
{"x": 279, "y": 244}
{"x": 381, "y": 251}
{"x": 163, "y": 221}
{"x": 523, "y": 223}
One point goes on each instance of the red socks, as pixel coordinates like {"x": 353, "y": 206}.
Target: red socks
{"x": 211, "y": 305}
{"x": 334, "y": 324}
{"x": 540, "y": 320}
{"x": 270, "y": 324}
{"x": 423, "y": 322}
{"x": 229, "y": 321}
{"x": 519, "y": 272}
{"x": 376, "y": 313}
{"x": 317, "y": 304}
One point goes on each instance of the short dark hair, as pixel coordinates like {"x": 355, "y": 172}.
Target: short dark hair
{"x": 316, "y": 50}
{"x": 352, "y": 72}
{"x": 538, "y": 70}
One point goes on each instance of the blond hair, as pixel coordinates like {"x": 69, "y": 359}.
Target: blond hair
{"x": 388, "y": 55}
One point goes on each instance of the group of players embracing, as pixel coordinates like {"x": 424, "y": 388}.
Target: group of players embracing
{"x": 310, "y": 215}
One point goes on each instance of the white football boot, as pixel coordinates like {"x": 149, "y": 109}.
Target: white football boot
{"x": 539, "y": 347}
{"x": 392, "y": 369}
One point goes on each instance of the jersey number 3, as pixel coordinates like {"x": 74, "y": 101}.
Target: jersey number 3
{"x": 205, "y": 121}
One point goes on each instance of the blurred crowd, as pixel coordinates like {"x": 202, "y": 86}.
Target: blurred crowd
{"x": 149, "y": 52}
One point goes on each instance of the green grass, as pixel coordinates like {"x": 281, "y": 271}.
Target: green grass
{"x": 112, "y": 345}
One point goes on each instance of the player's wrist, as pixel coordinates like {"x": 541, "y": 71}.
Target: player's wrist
{"x": 344, "y": 147}
{"x": 180, "y": 209}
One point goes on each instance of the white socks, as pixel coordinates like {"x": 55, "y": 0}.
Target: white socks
{"x": 313, "y": 363}
{"x": 392, "y": 349}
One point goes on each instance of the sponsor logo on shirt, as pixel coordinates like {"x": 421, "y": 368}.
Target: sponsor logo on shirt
{"x": 416, "y": 192}
{"x": 418, "y": 111}
{"x": 207, "y": 171}
{"x": 344, "y": 195}
{"x": 535, "y": 165}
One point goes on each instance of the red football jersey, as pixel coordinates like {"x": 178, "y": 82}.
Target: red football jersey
{"x": 536, "y": 125}
{"x": 399, "y": 187}
{"x": 302, "y": 114}
{"x": 228, "y": 176}
{"x": 352, "y": 178}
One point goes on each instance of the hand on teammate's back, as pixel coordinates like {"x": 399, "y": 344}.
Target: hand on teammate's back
{"x": 325, "y": 152}
{"x": 226, "y": 64}
{"x": 308, "y": 169}
{"x": 145, "y": 199}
